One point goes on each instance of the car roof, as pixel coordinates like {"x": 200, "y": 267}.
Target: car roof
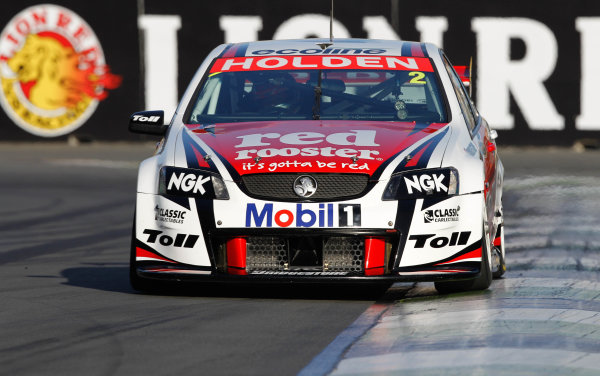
{"x": 326, "y": 47}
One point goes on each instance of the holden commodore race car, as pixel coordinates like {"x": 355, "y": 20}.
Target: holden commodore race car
{"x": 321, "y": 161}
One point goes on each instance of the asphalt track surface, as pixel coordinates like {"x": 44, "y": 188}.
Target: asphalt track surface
{"x": 67, "y": 307}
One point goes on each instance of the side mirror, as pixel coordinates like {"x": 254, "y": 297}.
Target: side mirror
{"x": 148, "y": 122}
{"x": 493, "y": 134}
{"x": 467, "y": 75}
{"x": 464, "y": 73}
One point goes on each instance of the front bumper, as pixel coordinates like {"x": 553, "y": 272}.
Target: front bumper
{"x": 182, "y": 240}
{"x": 194, "y": 274}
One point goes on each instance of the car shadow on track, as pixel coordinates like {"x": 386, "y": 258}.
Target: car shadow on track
{"x": 115, "y": 278}
{"x": 105, "y": 277}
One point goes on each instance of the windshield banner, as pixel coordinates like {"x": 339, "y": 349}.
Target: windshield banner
{"x": 238, "y": 64}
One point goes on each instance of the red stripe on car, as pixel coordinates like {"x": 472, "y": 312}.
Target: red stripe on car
{"x": 140, "y": 252}
{"x": 473, "y": 254}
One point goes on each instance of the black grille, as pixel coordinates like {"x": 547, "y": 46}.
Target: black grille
{"x": 333, "y": 254}
{"x": 343, "y": 254}
{"x": 266, "y": 253}
{"x": 329, "y": 186}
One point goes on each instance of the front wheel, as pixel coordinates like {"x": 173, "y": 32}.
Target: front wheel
{"x": 481, "y": 282}
{"x": 498, "y": 253}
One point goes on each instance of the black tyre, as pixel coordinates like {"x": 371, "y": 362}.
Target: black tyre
{"x": 481, "y": 282}
{"x": 498, "y": 255}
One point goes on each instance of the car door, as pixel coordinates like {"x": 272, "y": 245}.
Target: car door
{"x": 481, "y": 136}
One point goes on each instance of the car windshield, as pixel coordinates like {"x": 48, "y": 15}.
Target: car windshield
{"x": 342, "y": 89}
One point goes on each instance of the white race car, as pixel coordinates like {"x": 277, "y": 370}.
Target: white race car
{"x": 321, "y": 161}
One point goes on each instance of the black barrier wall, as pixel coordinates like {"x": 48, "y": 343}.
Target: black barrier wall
{"x": 534, "y": 61}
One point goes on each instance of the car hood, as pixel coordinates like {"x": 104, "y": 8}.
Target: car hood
{"x": 315, "y": 146}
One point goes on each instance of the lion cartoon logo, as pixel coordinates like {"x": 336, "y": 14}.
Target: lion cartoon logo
{"x": 50, "y": 75}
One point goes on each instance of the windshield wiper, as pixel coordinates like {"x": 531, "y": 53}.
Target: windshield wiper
{"x": 317, "y": 106}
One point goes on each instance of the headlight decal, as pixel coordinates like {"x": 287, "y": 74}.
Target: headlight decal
{"x": 175, "y": 181}
{"x": 433, "y": 182}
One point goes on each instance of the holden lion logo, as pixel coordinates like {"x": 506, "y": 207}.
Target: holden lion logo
{"x": 305, "y": 186}
{"x": 52, "y": 70}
